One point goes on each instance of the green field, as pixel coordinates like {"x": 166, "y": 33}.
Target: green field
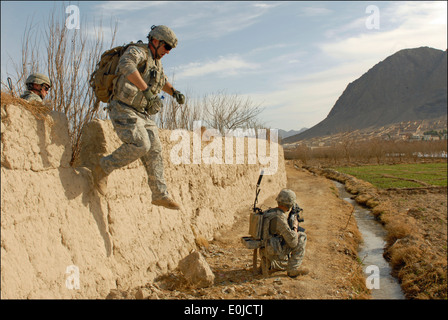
{"x": 400, "y": 175}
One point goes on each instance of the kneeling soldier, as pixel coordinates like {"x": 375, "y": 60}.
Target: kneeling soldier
{"x": 284, "y": 245}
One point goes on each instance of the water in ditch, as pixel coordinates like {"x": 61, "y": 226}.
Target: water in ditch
{"x": 377, "y": 270}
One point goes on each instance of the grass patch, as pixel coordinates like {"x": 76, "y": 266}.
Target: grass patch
{"x": 400, "y": 175}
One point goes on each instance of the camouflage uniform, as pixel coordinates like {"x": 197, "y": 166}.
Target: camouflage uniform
{"x": 31, "y": 96}
{"x": 285, "y": 248}
{"x": 132, "y": 123}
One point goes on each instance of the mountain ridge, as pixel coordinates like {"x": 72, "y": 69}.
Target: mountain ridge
{"x": 288, "y": 133}
{"x": 408, "y": 85}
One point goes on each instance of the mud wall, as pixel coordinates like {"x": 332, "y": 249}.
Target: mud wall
{"x": 61, "y": 239}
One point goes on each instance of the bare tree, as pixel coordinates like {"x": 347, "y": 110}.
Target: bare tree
{"x": 68, "y": 57}
{"x": 218, "y": 111}
{"x": 175, "y": 116}
{"x": 229, "y": 112}
{"x": 72, "y": 57}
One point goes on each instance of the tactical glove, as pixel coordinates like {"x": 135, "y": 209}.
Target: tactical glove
{"x": 180, "y": 98}
{"x": 147, "y": 93}
{"x": 154, "y": 105}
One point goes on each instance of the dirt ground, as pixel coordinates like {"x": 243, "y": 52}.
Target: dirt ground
{"x": 331, "y": 257}
{"x": 416, "y": 221}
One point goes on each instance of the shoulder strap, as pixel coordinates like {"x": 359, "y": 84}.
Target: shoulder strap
{"x": 269, "y": 215}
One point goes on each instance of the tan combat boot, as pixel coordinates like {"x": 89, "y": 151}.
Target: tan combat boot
{"x": 100, "y": 179}
{"x": 298, "y": 272}
{"x": 166, "y": 202}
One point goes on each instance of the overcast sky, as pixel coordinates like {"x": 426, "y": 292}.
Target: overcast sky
{"x": 294, "y": 58}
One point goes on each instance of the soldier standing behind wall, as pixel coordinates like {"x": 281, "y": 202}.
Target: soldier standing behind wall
{"x": 140, "y": 79}
{"x": 37, "y": 85}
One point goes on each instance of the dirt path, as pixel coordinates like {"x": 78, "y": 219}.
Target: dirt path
{"x": 330, "y": 254}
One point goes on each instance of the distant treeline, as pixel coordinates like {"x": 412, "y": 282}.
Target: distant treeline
{"x": 375, "y": 151}
{"x": 439, "y": 133}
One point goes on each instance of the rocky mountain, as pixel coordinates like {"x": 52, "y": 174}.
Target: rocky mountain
{"x": 408, "y": 85}
{"x": 285, "y": 134}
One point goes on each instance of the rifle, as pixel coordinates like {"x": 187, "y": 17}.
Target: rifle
{"x": 255, "y": 209}
{"x": 11, "y": 91}
{"x": 294, "y": 214}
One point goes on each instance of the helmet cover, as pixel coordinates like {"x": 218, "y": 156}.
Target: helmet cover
{"x": 38, "y": 78}
{"x": 163, "y": 33}
{"x": 286, "y": 197}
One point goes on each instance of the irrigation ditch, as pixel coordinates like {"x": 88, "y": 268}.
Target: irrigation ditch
{"x": 379, "y": 273}
{"x": 414, "y": 232}
{"x": 380, "y": 280}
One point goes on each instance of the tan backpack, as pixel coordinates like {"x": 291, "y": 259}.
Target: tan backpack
{"x": 102, "y": 78}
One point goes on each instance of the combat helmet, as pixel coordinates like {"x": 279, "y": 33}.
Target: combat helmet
{"x": 38, "y": 78}
{"x": 286, "y": 197}
{"x": 163, "y": 33}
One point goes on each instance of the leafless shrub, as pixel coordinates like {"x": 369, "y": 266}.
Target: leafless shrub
{"x": 176, "y": 116}
{"x": 68, "y": 57}
{"x": 221, "y": 111}
{"x": 229, "y": 112}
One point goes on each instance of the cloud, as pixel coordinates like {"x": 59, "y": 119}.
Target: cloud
{"x": 314, "y": 11}
{"x": 357, "y": 25}
{"x": 266, "y": 5}
{"x": 308, "y": 99}
{"x": 417, "y": 13}
{"x": 403, "y": 25}
{"x": 224, "y": 66}
{"x": 192, "y": 20}
{"x": 215, "y": 19}
{"x": 126, "y": 6}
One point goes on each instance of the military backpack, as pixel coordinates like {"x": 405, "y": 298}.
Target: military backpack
{"x": 102, "y": 78}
